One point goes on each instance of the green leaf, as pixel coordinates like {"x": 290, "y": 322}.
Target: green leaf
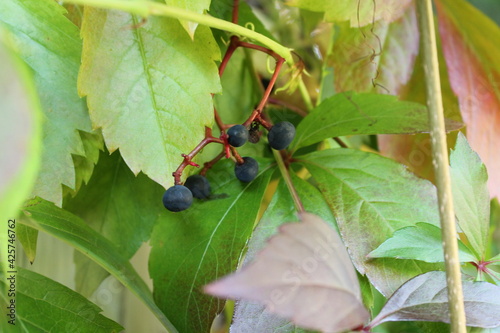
{"x": 358, "y": 13}
{"x": 28, "y": 237}
{"x": 425, "y": 298}
{"x": 367, "y": 291}
{"x": 354, "y": 114}
{"x": 45, "y": 216}
{"x": 148, "y": 88}
{"x": 484, "y": 330}
{"x": 496, "y": 258}
{"x": 50, "y": 44}
{"x": 121, "y": 207}
{"x": 203, "y": 243}
{"x": 84, "y": 165}
{"x": 240, "y": 93}
{"x": 420, "y": 242}
{"x": 44, "y": 305}
{"x": 353, "y": 56}
{"x": 197, "y": 6}
{"x": 280, "y": 210}
{"x": 383, "y": 55}
{"x": 470, "y": 195}
{"x": 371, "y": 197}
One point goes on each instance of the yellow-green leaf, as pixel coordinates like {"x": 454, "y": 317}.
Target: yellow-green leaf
{"x": 359, "y": 13}
{"x": 196, "y": 6}
{"x": 148, "y": 87}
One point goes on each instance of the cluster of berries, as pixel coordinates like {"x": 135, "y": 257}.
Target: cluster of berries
{"x": 180, "y": 197}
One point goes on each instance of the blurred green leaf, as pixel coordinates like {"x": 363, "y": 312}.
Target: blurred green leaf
{"x": 121, "y": 207}
{"x": 367, "y": 292}
{"x": 240, "y": 94}
{"x": 420, "y": 242}
{"x": 470, "y": 195}
{"x": 55, "y": 221}
{"x": 50, "y": 44}
{"x": 44, "y": 305}
{"x": 383, "y": 55}
{"x": 488, "y": 7}
{"x": 359, "y": 14}
{"x": 371, "y": 197}
{"x": 483, "y": 330}
{"x": 196, "y": 6}
{"x": 20, "y": 129}
{"x": 354, "y": 114}
{"x": 148, "y": 88}
{"x": 205, "y": 242}
{"x": 20, "y": 143}
{"x": 496, "y": 258}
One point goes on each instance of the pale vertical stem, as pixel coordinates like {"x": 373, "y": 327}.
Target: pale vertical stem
{"x": 441, "y": 166}
{"x": 305, "y": 95}
{"x": 288, "y": 180}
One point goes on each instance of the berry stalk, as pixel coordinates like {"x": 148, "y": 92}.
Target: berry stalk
{"x": 288, "y": 180}
{"x": 189, "y": 157}
{"x": 238, "y": 138}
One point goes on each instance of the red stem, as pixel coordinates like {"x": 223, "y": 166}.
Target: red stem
{"x": 236, "y": 5}
{"x": 233, "y": 45}
{"x": 267, "y": 92}
{"x": 262, "y": 49}
{"x": 219, "y": 121}
{"x": 211, "y": 163}
{"x": 236, "y": 155}
{"x": 188, "y": 158}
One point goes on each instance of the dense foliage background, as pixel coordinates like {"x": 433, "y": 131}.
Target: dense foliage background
{"x": 98, "y": 103}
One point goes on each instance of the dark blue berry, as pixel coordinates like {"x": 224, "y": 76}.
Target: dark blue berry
{"x": 177, "y": 198}
{"x": 246, "y": 171}
{"x": 199, "y": 186}
{"x": 281, "y": 135}
{"x": 237, "y": 135}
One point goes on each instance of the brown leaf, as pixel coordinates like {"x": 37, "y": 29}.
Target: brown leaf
{"x": 305, "y": 274}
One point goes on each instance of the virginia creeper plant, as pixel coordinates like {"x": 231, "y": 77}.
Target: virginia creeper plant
{"x": 271, "y": 158}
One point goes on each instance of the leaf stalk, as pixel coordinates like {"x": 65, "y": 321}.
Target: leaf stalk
{"x": 288, "y": 180}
